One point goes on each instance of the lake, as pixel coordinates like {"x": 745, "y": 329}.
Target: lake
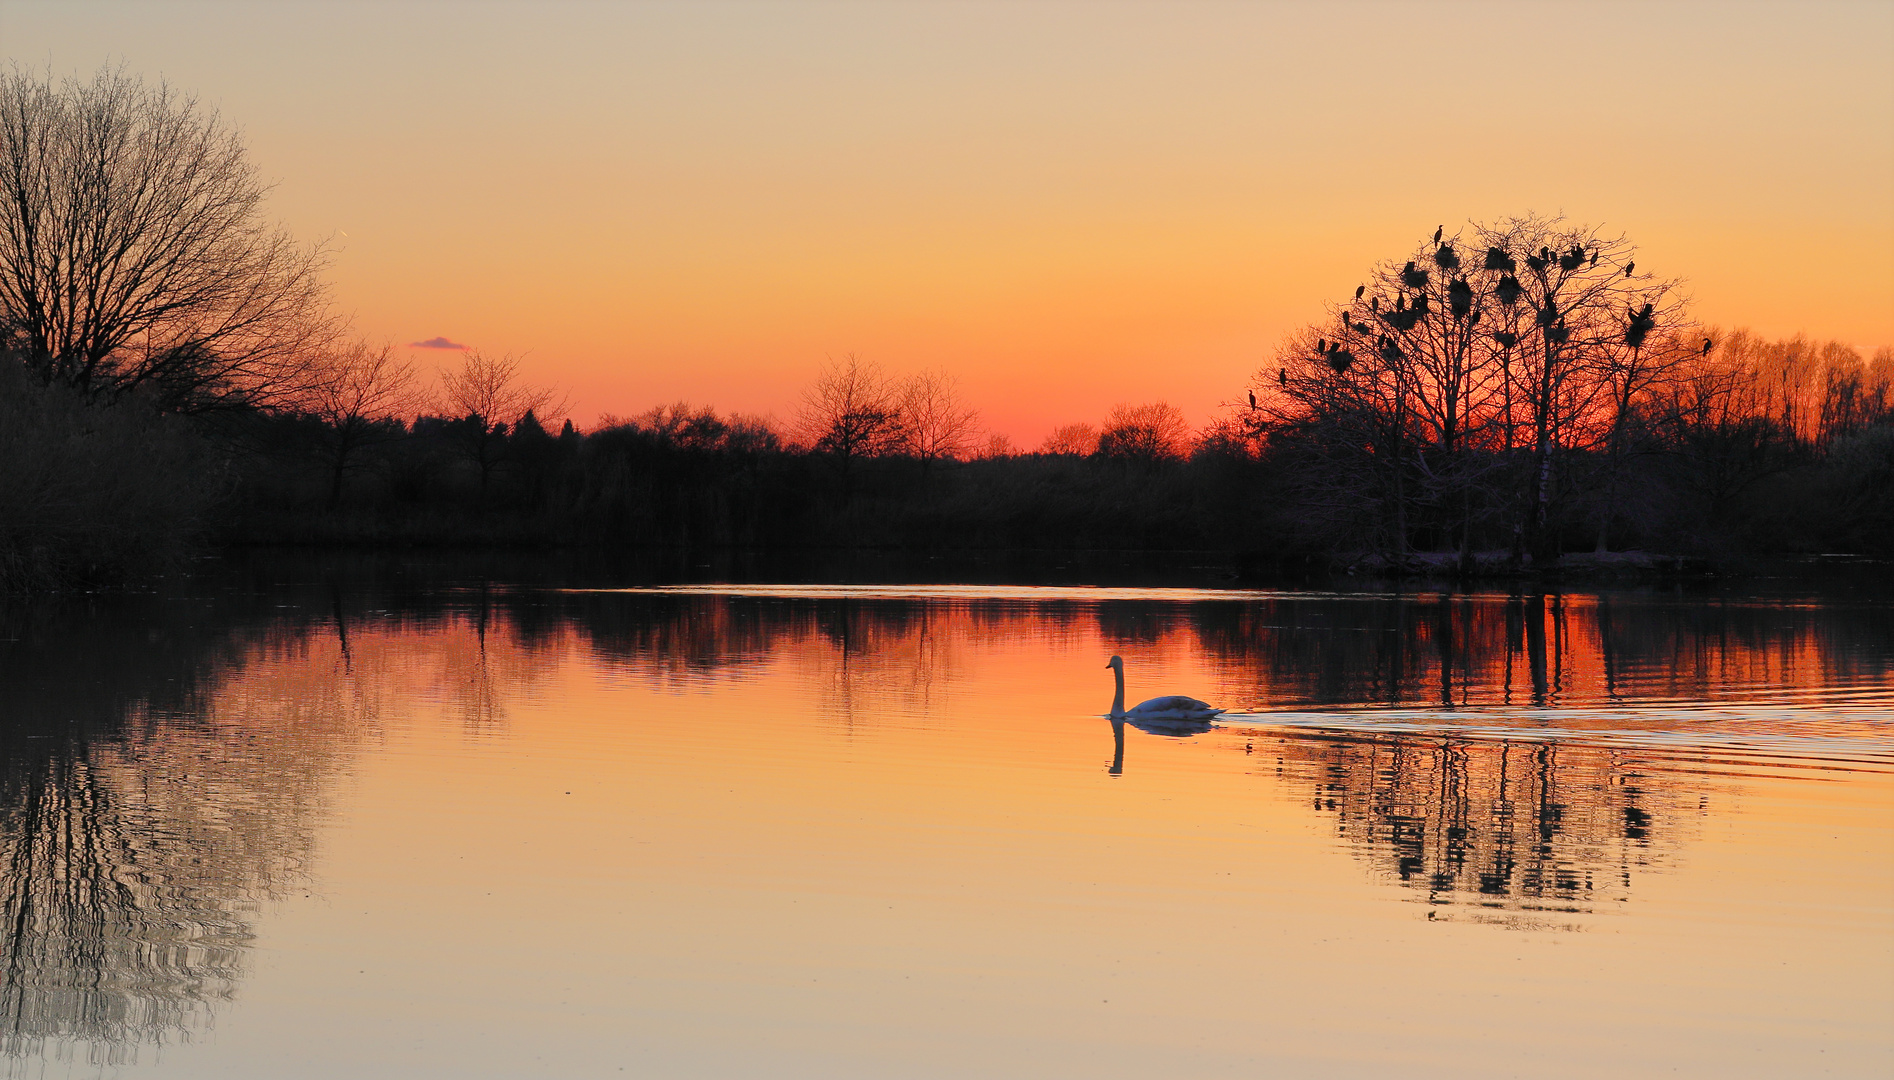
{"x": 330, "y": 822}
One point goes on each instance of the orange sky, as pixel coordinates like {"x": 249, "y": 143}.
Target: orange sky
{"x": 1066, "y": 205}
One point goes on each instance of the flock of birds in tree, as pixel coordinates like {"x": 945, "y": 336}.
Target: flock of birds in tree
{"x": 1407, "y": 311}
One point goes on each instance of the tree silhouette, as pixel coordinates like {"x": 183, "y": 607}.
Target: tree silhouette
{"x": 1448, "y": 391}
{"x": 1147, "y": 433}
{"x": 852, "y": 411}
{"x": 359, "y": 399}
{"x": 134, "y": 254}
{"x": 936, "y": 423}
{"x": 487, "y": 399}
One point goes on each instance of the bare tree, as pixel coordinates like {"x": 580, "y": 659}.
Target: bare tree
{"x": 1153, "y": 432}
{"x": 1453, "y": 384}
{"x": 134, "y": 255}
{"x": 487, "y": 399}
{"x": 1080, "y": 439}
{"x": 363, "y": 393}
{"x": 937, "y": 424}
{"x": 852, "y": 411}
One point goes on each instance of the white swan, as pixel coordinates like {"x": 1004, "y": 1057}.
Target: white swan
{"x": 1176, "y": 707}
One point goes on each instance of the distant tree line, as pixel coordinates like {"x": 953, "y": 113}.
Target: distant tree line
{"x": 172, "y": 369}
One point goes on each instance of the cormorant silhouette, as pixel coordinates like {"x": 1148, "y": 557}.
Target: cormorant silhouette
{"x": 1359, "y": 289}
{"x": 1706, "y": 347}
{"x": 1639, "y": 326}
{"x": 1630, "y": 266}
{"x": 1437, "y": 233}
{"x": 1252, "y": 399}
{"x": 1460, "y": 297}
{"x": 1282, "y": 376}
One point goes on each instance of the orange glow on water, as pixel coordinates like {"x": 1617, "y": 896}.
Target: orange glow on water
{"x": 815, "y": 830}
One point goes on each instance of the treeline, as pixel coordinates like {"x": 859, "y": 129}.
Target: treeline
{"x": 679, "y": 476}
{"x": 1754, "y": 447}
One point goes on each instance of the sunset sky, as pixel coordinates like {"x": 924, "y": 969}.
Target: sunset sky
{"x": 1065, "y": 205}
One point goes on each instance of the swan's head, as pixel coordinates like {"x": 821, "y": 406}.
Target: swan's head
{"x": 1116, "y": 662}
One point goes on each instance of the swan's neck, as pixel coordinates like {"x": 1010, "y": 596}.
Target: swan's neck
{"x": 1118, "y": 699}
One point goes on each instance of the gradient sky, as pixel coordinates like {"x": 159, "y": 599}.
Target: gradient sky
{"x": 1065, "y": 205}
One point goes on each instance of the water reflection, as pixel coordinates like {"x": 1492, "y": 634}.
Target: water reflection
{"x": 167, "y": 762}
{"x": 1518, "y": 833}
{"x": 1459, "y": 650}
{"x": 1168, "y": 729}
{"x": 142, "y": 821}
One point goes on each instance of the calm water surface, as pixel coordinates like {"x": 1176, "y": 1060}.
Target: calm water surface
{"x": 481, "y": 829}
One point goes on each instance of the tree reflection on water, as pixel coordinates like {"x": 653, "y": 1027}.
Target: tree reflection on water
{"x": 1506, "y": 831}
{"x": 149, "y": 804}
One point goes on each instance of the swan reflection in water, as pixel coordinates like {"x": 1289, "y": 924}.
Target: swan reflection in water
{"x": 1173, "y": 729}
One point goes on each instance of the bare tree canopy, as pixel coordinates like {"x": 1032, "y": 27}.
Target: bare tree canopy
{"x": 134, "y": 255}
{"x": 1080, "y": 439}
{"x": 852, "y": 410}
{"x": 360, "y": 399}
{"x": 938, "y": 423}
{"x": 489, "y": 389}
{"x": 487, "y": 399}
{"x": 1153, "y": 432}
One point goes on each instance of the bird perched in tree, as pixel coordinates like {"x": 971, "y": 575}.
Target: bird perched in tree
{"x": 1536, "y": 262}
{"x": 1252, "y": 399}
{"x": 1437, "y": 233}
{"x": 1460, "y": 297}
{"x": 1706, "y": 347}
{"x": 1630, "y": 266}
{"x": 1639, "y": 325}
{"x": 1359, "y": 289}
{"x": 1282, "y": 376}
{"x": 1374, "y": 304}
{"x": 1594, "y": 257}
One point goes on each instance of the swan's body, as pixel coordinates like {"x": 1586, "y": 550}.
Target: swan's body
{"x": 1174, "y": 708}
